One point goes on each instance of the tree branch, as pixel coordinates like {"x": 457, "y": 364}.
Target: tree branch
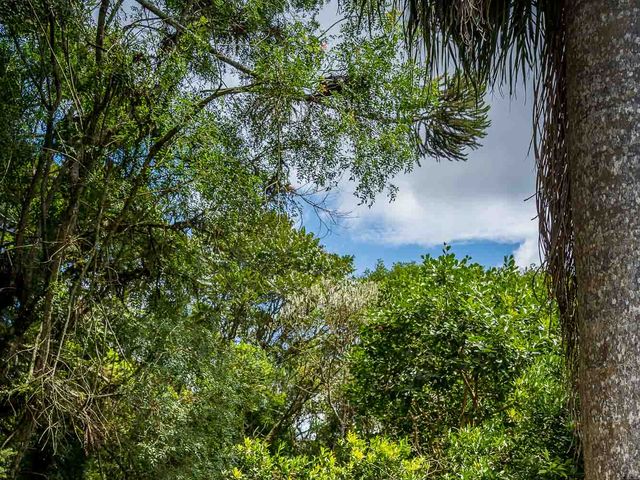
{"x": 178, "y": 26}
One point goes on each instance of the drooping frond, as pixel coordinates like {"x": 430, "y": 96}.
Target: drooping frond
{"x": 553, "y": 192}
{"x": 497, "y": 41}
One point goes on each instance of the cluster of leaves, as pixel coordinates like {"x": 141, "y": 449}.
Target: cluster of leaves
{"x": 531, "y": 440}
{"x": 353, "y": 458}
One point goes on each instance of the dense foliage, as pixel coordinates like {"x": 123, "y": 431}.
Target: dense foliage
{"x": 456, "y": 373}
{"x": 162, "y": 313}
{"x": 352, "y": 458}
{"x": 465, "y": 362}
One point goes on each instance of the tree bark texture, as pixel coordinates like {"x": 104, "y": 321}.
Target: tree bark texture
{"x": 603, "y": 75}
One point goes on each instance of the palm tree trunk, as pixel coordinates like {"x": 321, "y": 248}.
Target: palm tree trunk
{"x": 603, "y": 75}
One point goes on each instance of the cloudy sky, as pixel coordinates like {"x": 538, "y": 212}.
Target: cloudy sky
{"x": 477, "y": 206}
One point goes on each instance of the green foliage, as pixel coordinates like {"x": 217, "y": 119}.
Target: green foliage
{"x": 531, "y": 441}
{"x": 317, "y": 329}
{"x": 446, "y": 344}
{"x": 466, "y": 363}
{"x": 354, "y": 458}
{"x": 6, "y": 455}
{"x": 159, "y": 303}
{"x": 168, "y": 428}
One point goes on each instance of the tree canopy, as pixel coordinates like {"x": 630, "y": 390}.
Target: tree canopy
{"x": 163, "y": 314}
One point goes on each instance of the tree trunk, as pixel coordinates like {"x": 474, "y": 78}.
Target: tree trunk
{"x": 603, "y": 74}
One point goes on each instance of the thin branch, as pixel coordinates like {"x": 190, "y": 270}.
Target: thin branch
{"x": 178, "y": 26}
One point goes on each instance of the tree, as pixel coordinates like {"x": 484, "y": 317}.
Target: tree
{"x": 466, "y": 364}
{"x": 149, "y": 156}
{"x": 585, "y": 59}
{"x": 318, "y": 328}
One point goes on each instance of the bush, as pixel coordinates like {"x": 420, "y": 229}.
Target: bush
{"x": 353, "y": 459}
{"x": 530, "y": 440}
{"x": 466, "y": 363}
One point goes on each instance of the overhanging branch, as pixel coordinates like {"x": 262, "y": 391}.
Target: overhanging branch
{"x": 178, "y": 26}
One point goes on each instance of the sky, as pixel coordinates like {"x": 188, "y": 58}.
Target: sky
{"x": 479, "y": 206}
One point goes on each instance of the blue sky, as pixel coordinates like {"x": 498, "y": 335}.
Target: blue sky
{"x": 366, "y": 254}
{"x": 479, "y": 207}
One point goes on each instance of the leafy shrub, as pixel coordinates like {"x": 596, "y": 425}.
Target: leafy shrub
{"x": 353, "y": 459}
{"x": 6, "y": 456}
{"x": 530, "y": 440}
{"x": 465, "y": 362}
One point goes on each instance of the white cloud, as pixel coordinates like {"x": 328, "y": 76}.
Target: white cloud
{"x": 481, "y": 199}
{"x": 527, "y": 253}
{"x": 415, "y": 218}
